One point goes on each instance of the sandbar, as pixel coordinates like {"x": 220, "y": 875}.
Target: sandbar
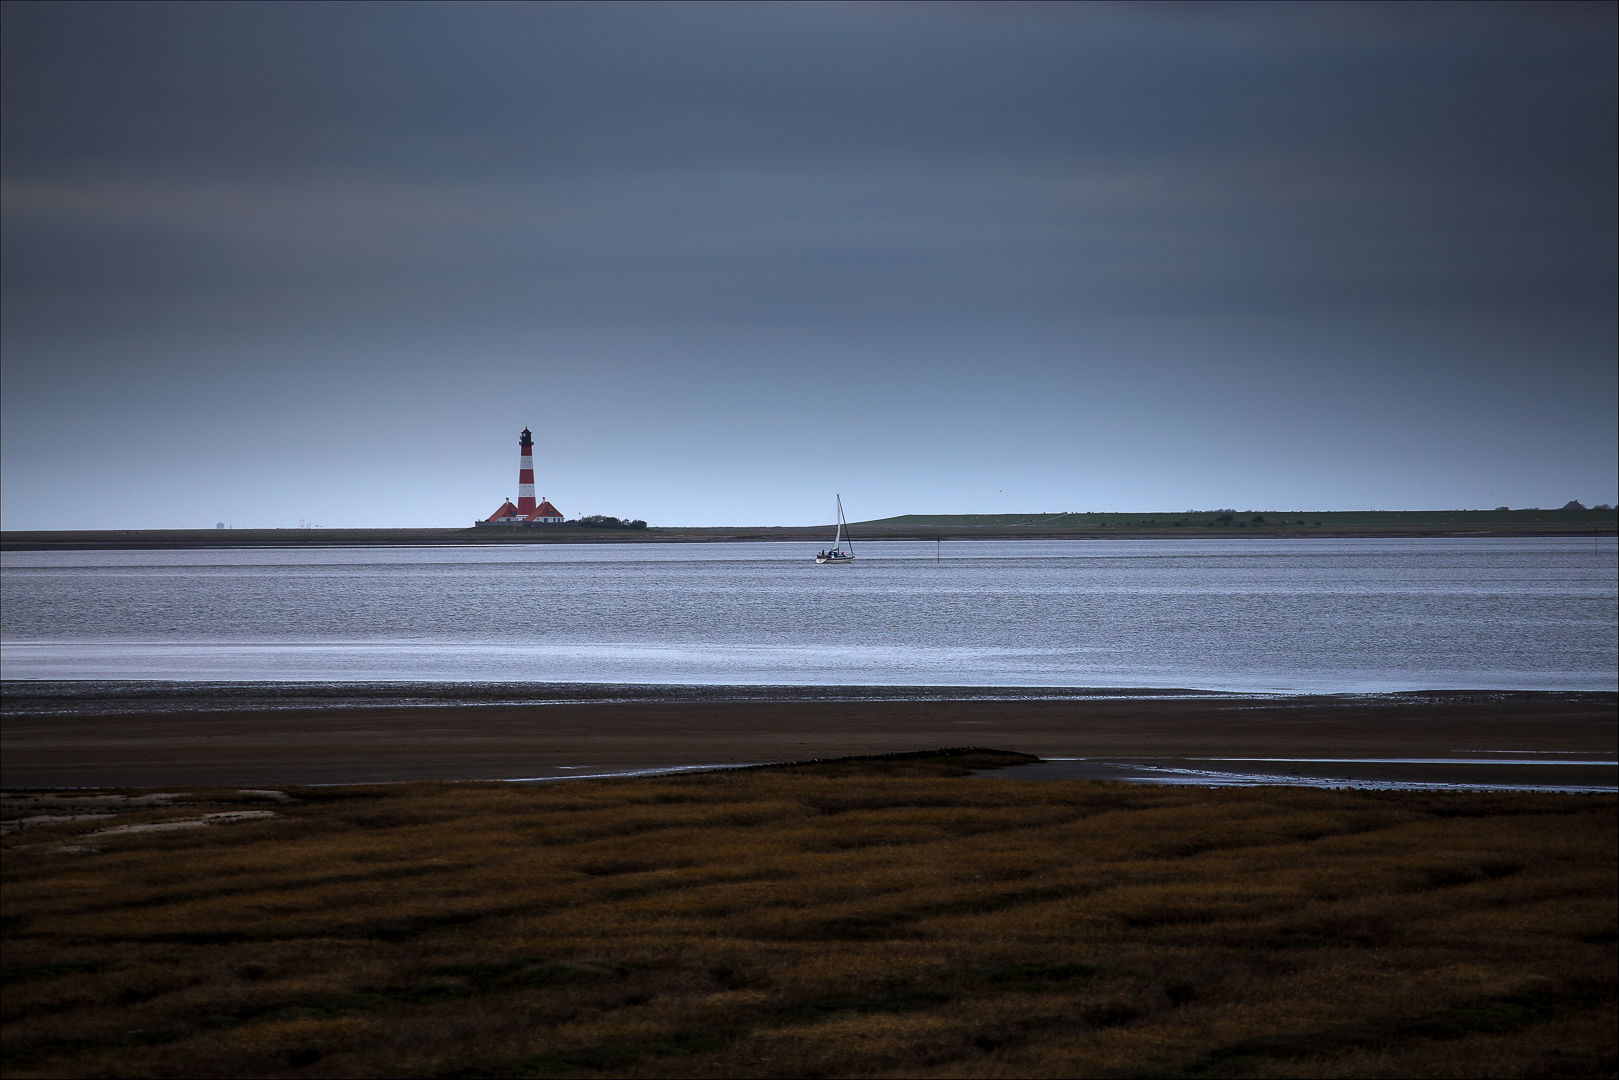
{"x": 1451, "y": 737}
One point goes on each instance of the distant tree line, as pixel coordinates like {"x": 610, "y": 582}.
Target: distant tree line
{"x": 603, "y": 521}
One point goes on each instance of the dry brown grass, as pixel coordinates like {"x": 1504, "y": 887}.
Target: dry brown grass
{"x": 882, "y": 919}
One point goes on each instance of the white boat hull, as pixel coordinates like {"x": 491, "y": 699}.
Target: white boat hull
{"x": 822, "y": 560}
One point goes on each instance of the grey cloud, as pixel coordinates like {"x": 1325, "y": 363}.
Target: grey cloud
{"x": 1273, "y": 200}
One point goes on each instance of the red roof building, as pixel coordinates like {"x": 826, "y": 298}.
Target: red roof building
{"x": 546, "y": 514}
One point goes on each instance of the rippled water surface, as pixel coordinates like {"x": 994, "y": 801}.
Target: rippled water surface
{"x": 1342, "y": 615}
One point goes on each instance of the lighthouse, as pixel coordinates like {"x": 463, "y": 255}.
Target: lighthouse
{"x": 525, "y": 475}
{"x": 525, "y": 512}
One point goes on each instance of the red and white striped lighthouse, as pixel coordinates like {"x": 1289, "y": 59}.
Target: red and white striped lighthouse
{"x": 525, "y": 512}
{"x": 525, "y": 476}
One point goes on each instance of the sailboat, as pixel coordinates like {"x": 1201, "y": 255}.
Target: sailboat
{"x": 839, "y": 540}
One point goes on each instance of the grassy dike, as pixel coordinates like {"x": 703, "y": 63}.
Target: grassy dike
{"x": 889, "y": 917}
{"x": 1263, "y": 523}
{"x": 1372, "y": 523}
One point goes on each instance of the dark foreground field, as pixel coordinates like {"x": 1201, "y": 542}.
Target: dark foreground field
{"x": 863, "y": 919}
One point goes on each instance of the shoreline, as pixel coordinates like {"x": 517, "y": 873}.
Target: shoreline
{"x": 1333, "y": 774}
{"x": 1442, "y": 737}
{"x": 184, "y": 539}
{"x": 129, "y": 696}
{"x": 91, "y": 697}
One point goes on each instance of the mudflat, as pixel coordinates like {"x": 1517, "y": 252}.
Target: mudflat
{"x": 1450, "y": 737}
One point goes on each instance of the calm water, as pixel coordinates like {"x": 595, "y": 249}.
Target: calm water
{"x": 1243, "y": 615}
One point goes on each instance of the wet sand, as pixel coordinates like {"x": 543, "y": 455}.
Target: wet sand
{"x": 1472, "y": 734}
{"x": 1506, "y": 771}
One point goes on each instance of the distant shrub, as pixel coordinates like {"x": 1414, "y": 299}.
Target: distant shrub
{"x": 604, "y": 521}
{"x": 1259, "y": 519}
{"x": 1224, "y": 519}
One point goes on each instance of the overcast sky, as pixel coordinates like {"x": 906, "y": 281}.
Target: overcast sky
{"x": 271, "y": 262}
